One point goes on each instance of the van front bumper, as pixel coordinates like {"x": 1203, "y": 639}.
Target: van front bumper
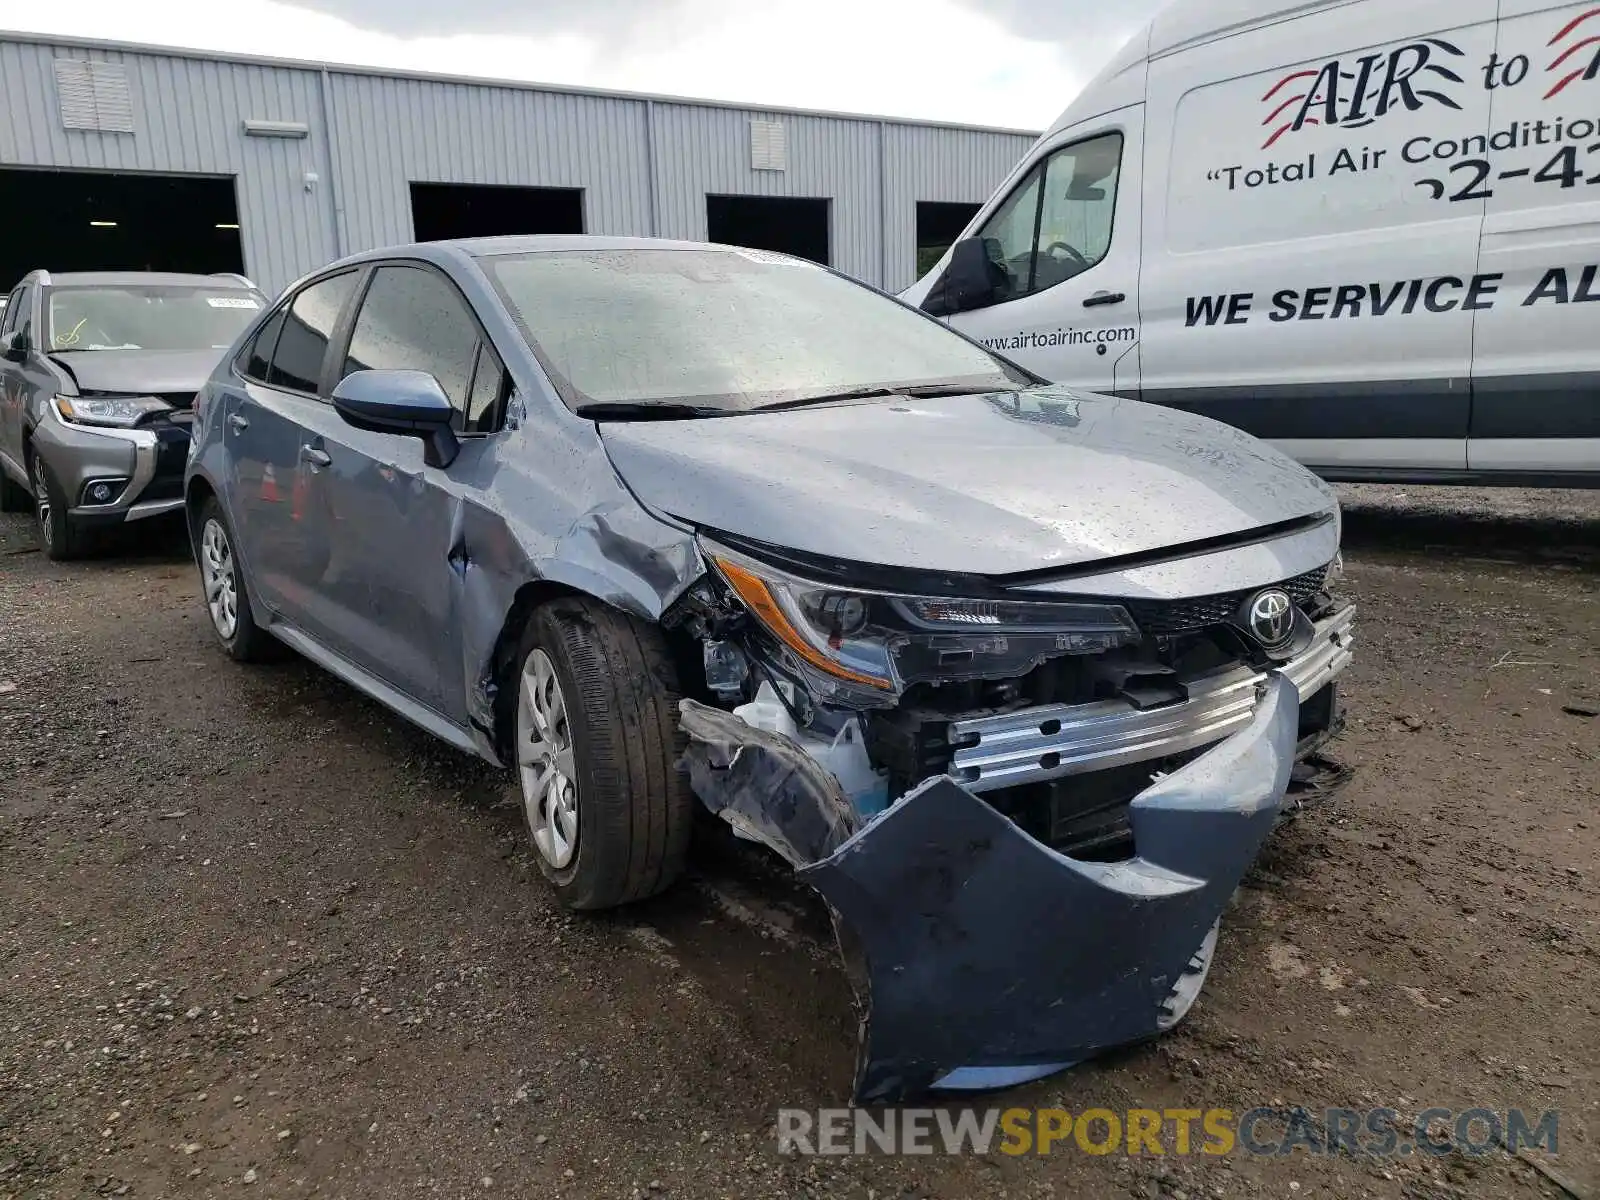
{"x": 141, "y": 468}
{"x": 985, "y": 956}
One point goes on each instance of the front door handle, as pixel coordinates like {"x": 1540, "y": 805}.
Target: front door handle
{"x": 237, "y": 423}
{"x": 1100, "y": 298}
{"x": 317, "y": 458}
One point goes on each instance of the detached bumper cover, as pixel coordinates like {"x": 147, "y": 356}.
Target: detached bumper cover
{"x": 989, "y": 955}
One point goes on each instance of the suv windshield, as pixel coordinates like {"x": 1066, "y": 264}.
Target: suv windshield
{"x": 723, "y": 329}
{"x": 148, "y": 317}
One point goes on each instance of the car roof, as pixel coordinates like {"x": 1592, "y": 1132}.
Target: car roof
{"x": 532, "y": 243}
{"x": 135, "y": 278}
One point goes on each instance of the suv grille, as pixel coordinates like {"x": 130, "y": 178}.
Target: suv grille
{"x": 1166, "y": 617}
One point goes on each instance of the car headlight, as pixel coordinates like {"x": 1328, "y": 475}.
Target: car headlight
{"x": 878, "y": 642}
{"x": 119, "y": 411}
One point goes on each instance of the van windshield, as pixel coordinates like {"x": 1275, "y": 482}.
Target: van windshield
{"x": 724, "y": 329}
{"x": 148, "y": 317}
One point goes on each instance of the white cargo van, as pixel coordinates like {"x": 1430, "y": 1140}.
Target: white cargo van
{"x": 1365, "y": 230}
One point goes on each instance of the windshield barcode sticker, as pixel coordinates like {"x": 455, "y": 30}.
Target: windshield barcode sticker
{"x": 232, "y": 302}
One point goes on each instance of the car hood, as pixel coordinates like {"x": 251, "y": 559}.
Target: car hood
{"x": 991, "y": 484}
{"x": 138, "y": 371}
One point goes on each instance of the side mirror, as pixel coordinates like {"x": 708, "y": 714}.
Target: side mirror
{"x": 967, "y": 283}
{"x": 410, "y": 403}
{"x": 14, "y": 346}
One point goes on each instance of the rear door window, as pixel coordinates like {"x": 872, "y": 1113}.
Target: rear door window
{"x": 302, "y": 347}
{"x": 257, "y": 356}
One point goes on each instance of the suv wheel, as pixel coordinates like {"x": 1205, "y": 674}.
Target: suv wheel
{"x": 59, "y": 535}
{"x": 227, "y": 598}
{"x": 597, "y": 743}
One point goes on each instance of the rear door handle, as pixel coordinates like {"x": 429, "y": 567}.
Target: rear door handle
{"x": 317, "y": 458}
{"x": 1100, "y": 298}
{"x": 237, "y": 423}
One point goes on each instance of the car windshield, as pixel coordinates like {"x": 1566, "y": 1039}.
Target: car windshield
{"x": 148, "y": 317}
{"x": 723, "y": 329}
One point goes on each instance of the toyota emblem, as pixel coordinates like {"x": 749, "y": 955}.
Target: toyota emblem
{"x": 1271, "y": 617}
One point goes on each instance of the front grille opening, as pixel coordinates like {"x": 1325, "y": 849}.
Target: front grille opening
{"x": 1163, "y": 618}
{"x": 1086, "y": 817}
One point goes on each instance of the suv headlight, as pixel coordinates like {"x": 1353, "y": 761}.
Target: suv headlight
{"x": 878, "y": 642}
{"x": 119, "y": 411}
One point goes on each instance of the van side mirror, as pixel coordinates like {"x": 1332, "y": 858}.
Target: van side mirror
{"x": 14, "y": 346}
{"x": 409, "y": 403}
{"x": 969, "y": 281}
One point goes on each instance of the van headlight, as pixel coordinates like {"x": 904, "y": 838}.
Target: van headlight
{"x": 122, "y": 412}
{"x": 880, "y": 643}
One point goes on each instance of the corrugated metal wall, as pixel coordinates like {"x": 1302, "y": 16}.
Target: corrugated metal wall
{"x": 953, "y": 165}
{"x": 645, "y": 165}
{"x": 188, "y": 116}
{"x": 396, "y": 131}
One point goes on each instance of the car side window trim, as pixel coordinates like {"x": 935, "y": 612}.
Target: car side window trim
{"x": 247, "y": 351}
{"x": 340, "y": 353}
{"x": 486, "y": 356}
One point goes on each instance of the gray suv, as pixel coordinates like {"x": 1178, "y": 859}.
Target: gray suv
{"x": 98, "y": 372}
{"x": 1014, "y": 676}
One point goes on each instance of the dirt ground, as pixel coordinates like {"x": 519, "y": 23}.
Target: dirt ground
{"x": 256, "y": 933}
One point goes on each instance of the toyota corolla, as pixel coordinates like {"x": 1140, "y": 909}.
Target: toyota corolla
{"x": 1014, "y": 676}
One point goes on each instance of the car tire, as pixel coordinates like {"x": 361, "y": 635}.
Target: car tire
{"x": 60, "y": 537}
{"x": 14, "y": 498}
{"x": 609, "y": 812}
{"x": 228, "y": 607}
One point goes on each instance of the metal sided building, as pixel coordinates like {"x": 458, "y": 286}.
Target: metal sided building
{"x": 130, "y": 157}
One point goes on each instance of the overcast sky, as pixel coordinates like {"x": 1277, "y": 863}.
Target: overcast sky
{"x": 990, "y": 62}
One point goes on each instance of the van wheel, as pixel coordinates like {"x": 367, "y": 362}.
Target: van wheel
{"x": 61, "y": 538}
{"x": 596, "y": 742}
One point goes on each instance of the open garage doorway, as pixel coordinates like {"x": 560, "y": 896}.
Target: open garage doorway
{"x": 939, "y": 224}
{"x": 112, "y": 221}
{"x": 460, "y": 210}
{"x": 787, "y": 224}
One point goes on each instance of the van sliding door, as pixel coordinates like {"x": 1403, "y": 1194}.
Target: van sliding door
{"x": 1536, "y": 354}
{"x": 1310, "y": 266}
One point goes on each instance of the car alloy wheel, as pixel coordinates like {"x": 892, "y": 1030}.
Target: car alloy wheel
{"x": 219, "y": 573}
{"x": 41, "y": 501}
{"x": 544, "y": 761}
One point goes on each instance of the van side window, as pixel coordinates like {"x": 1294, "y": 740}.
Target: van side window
{"x": 1044, "y": 235}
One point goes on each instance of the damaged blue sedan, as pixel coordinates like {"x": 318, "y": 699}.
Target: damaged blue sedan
{"x": 1014, "y": 676}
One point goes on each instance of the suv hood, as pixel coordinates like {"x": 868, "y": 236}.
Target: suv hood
{"x": 992, "y": 484}
{"x": 139, "y": 371}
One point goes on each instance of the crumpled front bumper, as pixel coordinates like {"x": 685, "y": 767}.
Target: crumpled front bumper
{"x": 987, "y": 955}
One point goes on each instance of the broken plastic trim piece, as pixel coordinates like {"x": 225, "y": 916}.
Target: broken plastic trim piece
{"x": 765, "y": 786}
{"x": 988, "y": 957}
